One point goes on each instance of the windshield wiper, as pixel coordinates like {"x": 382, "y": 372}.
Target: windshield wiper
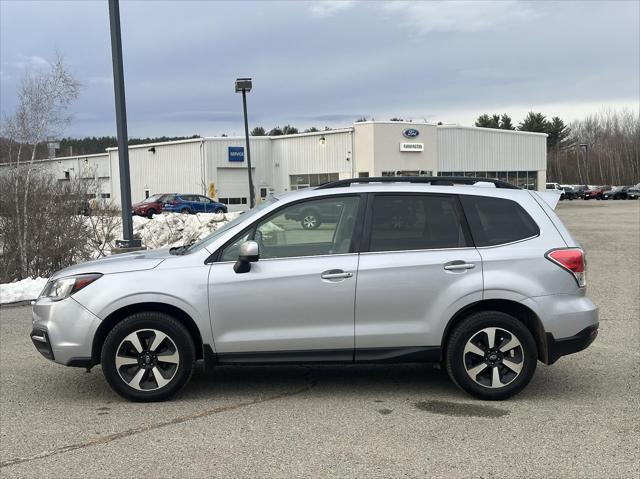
{"x": 180, "y": 250}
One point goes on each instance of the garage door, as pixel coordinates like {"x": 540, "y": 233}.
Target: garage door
{"x": 233, "y": 188}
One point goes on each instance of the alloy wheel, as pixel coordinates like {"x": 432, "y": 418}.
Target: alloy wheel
{"x": 147, "y": 359}
{"x": 493, "y": 357}
{"x": 309, "y": 222}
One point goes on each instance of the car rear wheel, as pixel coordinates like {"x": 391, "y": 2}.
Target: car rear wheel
{"x": 491, "y": 355}
{"x": 151, "y": 212}
{"x": 147, "y": 357}
{"x": 218, "y": 210}
{"x": 186, "y": 211}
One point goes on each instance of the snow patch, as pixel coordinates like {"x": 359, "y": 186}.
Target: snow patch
{"x": 24, "y": 290}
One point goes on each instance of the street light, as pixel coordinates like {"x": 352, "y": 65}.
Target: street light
{"x": 585, "y": 147}
{"x": 244, "y": 85}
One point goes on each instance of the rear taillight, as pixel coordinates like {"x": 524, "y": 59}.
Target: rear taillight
{"x": 174, "y": 202}
{"x": 572, "y": 260}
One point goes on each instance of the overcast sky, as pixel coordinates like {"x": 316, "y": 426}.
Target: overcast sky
{"x": 328, "y": 63}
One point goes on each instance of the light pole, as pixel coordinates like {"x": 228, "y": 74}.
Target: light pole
{"x": 121, "y": 123}
{"x": 585, "y": 147}
{"x": 244, "y": 85}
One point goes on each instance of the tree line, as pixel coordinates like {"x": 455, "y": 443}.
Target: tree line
{"x": 603, "y": 148}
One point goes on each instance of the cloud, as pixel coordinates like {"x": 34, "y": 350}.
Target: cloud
{"x": 458, "y": 16}
{"x": 33, "y": 61}
{"x": 328, "y": 8}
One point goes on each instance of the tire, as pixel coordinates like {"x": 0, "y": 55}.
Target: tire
{"x": 218, "y": 210}
{"x": 186, "y": 211}
{"x": 176, "y": 346}
{"x": 151, "y": 212}
{"x": 310, "y": 220}
{"x": 469, "y": 336}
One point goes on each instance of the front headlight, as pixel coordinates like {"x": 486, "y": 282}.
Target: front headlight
{"x": 64, "y": 287}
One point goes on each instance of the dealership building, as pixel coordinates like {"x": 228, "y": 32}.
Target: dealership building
{"x": 217, "y": 166}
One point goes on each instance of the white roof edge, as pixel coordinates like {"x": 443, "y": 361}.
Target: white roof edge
{"x": 493, "y": 130}
{"x": 314, "y": 133}
{"x": 159, "y": 143}
{"x": 74, "y": 157}
{"x": 388, "y": 122}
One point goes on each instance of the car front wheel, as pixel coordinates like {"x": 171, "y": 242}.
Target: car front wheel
{"x": 491, "y": 355}
{"x": 310, "y": 220}
{"x": 148, "y": 356}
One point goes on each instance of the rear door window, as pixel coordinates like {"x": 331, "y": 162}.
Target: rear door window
{"x": 416, "y": 222}
{"x": 495, "y": 221}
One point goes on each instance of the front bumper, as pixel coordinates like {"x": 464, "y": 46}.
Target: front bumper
{"x": 63, "y": 331}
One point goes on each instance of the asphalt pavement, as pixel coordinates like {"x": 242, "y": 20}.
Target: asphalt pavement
{"x": 577, "y": 418}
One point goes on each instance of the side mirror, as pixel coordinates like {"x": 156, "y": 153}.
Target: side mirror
{"x": 249, "y": 253}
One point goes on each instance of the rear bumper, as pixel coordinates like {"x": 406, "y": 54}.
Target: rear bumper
{"x": 556, "y": 348}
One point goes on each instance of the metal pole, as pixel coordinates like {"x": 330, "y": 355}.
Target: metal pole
{"x": 252, "y": 194}
{"x": 121, "y": 122}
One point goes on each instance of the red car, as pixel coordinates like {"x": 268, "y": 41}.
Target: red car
{"x": 151, "y": 205}
{"x": 596, "y": 192}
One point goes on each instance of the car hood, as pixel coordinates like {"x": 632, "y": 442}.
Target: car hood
{"x": 118, "y": 263}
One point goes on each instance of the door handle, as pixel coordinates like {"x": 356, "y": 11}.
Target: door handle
{"x": 336, "y": 274}
{"x": 458, "y": 265}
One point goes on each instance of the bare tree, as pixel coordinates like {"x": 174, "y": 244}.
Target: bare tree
{"x": 44, "y": 98}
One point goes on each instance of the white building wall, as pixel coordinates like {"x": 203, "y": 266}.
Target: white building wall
{"x": 302, "y": 154}
{"x": 485, "y": 149}
{"x": 174, "y": 167}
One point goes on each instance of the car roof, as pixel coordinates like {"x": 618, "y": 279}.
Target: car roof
{"x": 401, "y": 187}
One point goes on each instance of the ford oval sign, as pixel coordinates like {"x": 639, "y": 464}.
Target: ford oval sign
{"x": 410, "y": 133}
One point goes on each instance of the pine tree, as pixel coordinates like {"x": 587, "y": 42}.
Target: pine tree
{"x": 313, "y": 129}
{"x": 535, "y": 122}
{"x": 258, "y": 131}
{"x": 486, "y": 121}
{"x": 557, "y": 131}
{"x": 505, "y": 122}
{"x": 275, "y": 131}
{"x": 289, "y": 130}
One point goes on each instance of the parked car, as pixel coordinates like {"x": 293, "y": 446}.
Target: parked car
{"x": 486, "y": 281}
{"x": 633, "y": 193}
{"x": 150, "y": 206}
{"x": 554, "y": 188}
{"x": 312, "y": 216}
{"x": 616, "y": 193}
{"x": 568, "y": 193}
{"x": 580, "y": 190}
{"x": 190, "y": 204}
{"x": 596, "y": 192}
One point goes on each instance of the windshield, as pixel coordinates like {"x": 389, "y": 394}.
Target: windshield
{"x": 152, "y": 199}
{"x": 243, "y": 217}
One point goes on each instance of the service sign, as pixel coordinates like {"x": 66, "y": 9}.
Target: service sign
{"x": 410, "y": 133}
{"x": 236, "y": 153}
{"x": 411, "y": 146}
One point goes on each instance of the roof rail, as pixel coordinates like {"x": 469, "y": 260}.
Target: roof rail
{"x": 432, "y": 180}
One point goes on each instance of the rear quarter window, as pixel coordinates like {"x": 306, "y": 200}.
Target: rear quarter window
{"x": 495, "y": 221}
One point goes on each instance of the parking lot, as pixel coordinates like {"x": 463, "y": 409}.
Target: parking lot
{"x": 577, "y": 418}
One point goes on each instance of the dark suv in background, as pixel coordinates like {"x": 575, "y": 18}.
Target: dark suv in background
{"x": 190, "y": 203}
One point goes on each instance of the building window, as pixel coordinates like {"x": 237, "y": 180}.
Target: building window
{"x": 146, "y": 194}
{"x": 233, "y": 201}
{"x": 363, "y": 174}
{"x": 524, "y": 179}
{"x": 105, "y": 195}
{"x": 388, "y": 173}
{"x": 263, "y": 192}
{"x": 300, "y": 182}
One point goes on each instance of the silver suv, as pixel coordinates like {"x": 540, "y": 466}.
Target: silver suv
{"x": 475, "y": 274}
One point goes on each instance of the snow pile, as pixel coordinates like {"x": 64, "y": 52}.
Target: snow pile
{"x": 24, "y": 290}
{"x": 174, "y": 229}
{"x": 163, "y": 231}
